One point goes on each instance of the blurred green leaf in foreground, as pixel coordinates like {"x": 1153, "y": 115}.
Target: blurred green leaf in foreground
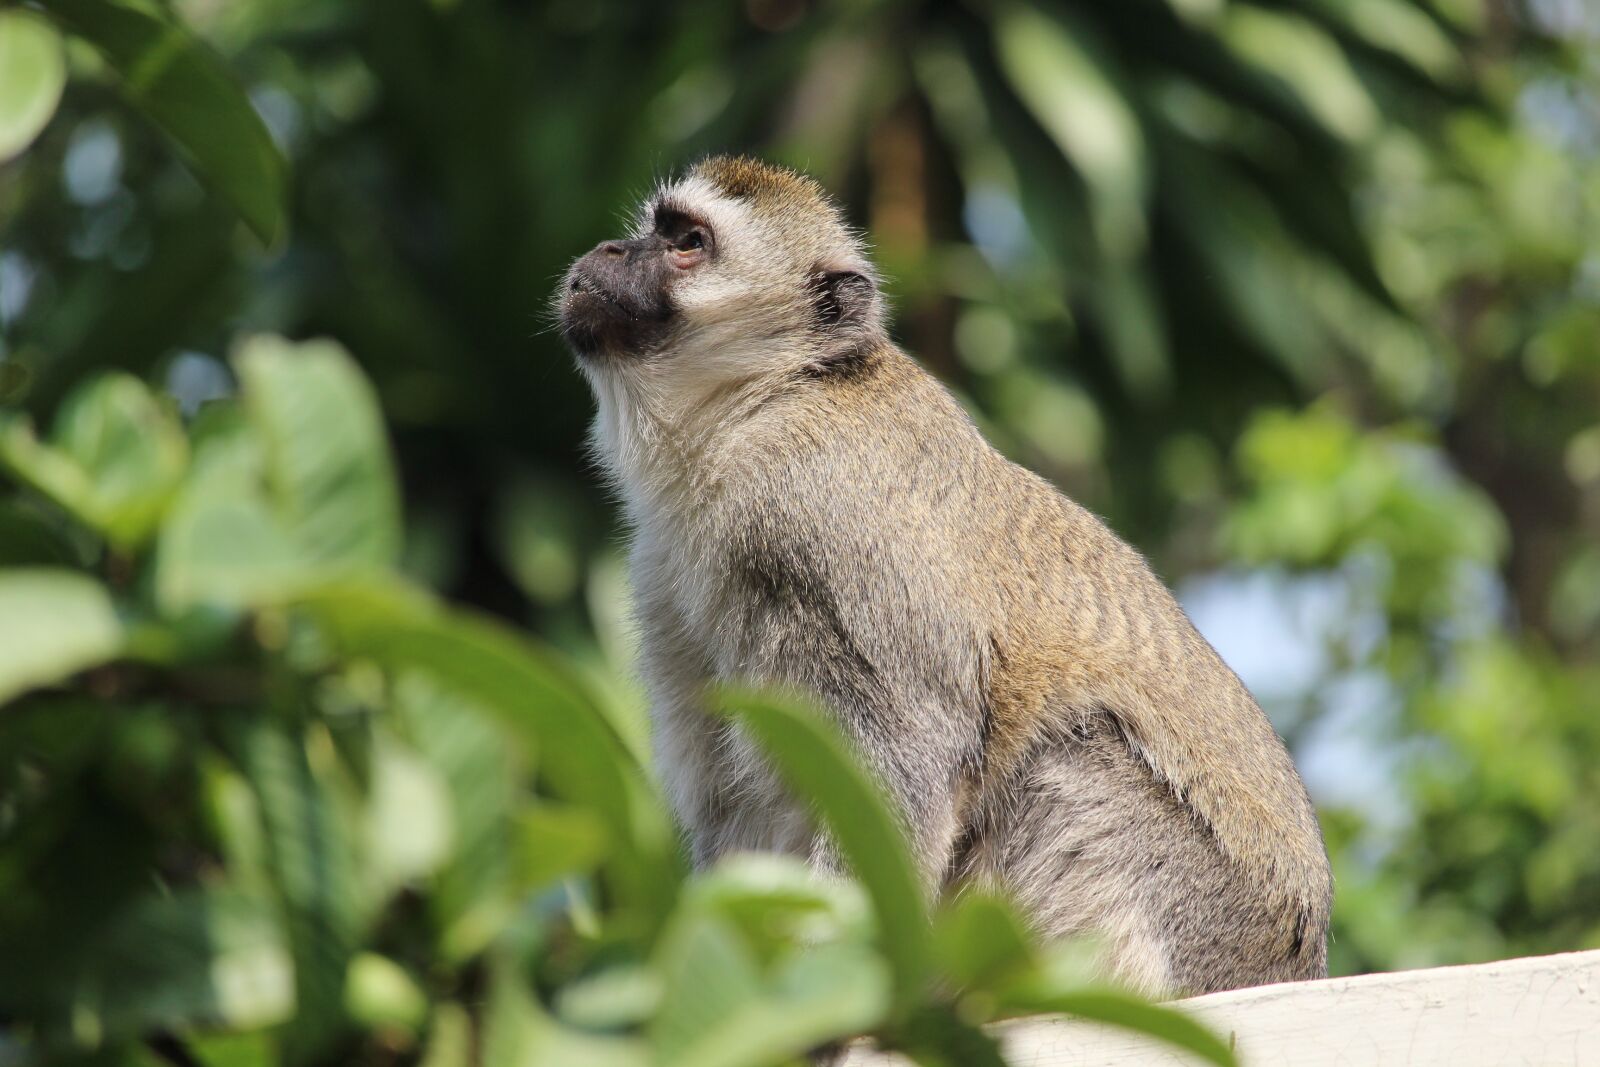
{"x": 33, "y": 70}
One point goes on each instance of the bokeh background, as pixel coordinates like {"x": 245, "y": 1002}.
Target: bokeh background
{"x": 1303, "y": 296}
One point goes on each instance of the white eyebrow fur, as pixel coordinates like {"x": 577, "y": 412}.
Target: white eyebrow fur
{"x": 698, "y": 197}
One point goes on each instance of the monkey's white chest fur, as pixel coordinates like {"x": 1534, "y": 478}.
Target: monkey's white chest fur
{"x": 685, "y": 606}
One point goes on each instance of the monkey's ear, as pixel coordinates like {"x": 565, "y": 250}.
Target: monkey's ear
{"x": 849, "y": 315}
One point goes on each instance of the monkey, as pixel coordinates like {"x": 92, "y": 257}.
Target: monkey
{"x": 811, "y": 509}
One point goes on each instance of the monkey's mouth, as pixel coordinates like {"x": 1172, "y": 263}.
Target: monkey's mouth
{"x": 578, "y": 289}
{"x": 595, "y": 321}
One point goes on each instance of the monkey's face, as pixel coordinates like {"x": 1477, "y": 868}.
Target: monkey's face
{"x": 736, "y": 270}
{"x": 619, "y": 298}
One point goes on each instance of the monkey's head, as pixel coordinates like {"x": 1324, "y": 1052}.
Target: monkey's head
{"x": 735, "y": 271}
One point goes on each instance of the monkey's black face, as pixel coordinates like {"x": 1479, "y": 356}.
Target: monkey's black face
{"x": 618, "y": 297}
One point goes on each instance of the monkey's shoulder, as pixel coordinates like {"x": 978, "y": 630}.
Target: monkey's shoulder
{"x": 886, "y": 453}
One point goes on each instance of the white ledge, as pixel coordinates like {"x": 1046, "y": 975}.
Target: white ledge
{"x": 1543, "y": 1010}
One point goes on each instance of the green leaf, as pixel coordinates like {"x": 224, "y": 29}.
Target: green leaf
{"x": 720, "y": 1010}
{"x": 408, "y": 818}
{"x": 980, "y": 942}
{"x": 129, "y": 442}
{"x": 472, "y": 896}
{"x": 115, "y": 457}
{"x": 765, "y": 960}
{"x": 1309, "y": 62}
{"x": 581, "y": 755}
{"x": 1408, "y": 30}
{"x": 449, "y": 1038}
{"x": 327, "y": 456}
{"x": 1066, "y": 84}
{"x": 221, "y": 542}
{"x": 53, "y": 623}
{"x": 620, "y": 996}
{"x": 779, "y": 901}
{"x": 379, "y": 993}
{"x": 196, "y": 957}
{"x": 254, "y": 1049}
{"x": 812, "y": 758}
{"x": 517, "y": 1032}
{"x": 313, "y": 865}
{"x": 233, "y": 816}
{"x": 186, "y": 90}
{"x": 225, "y": 548}
{"x": 937, "y": 1037}
{"x": 27, "y": 539}
{"x": 33, "y": 71}
{"x": 553, "y": 842}
{"x": 1127, "y": 308}
{"x": 294, "y": 491}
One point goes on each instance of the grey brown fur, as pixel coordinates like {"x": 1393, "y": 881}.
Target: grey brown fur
{"x": 812, "y": 509}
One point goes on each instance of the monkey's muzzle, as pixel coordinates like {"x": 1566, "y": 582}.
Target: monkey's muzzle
{"x": 614, "y": 299}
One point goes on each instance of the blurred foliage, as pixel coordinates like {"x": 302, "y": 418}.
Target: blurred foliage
{"x": 295, "y": 809}
{"x": 1298, "y": 289}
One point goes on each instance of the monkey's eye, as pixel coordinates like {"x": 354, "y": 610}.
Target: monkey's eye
{"x": 689, "y": 248}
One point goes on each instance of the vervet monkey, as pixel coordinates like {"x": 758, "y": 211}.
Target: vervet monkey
{"x": 812, "y": 509}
